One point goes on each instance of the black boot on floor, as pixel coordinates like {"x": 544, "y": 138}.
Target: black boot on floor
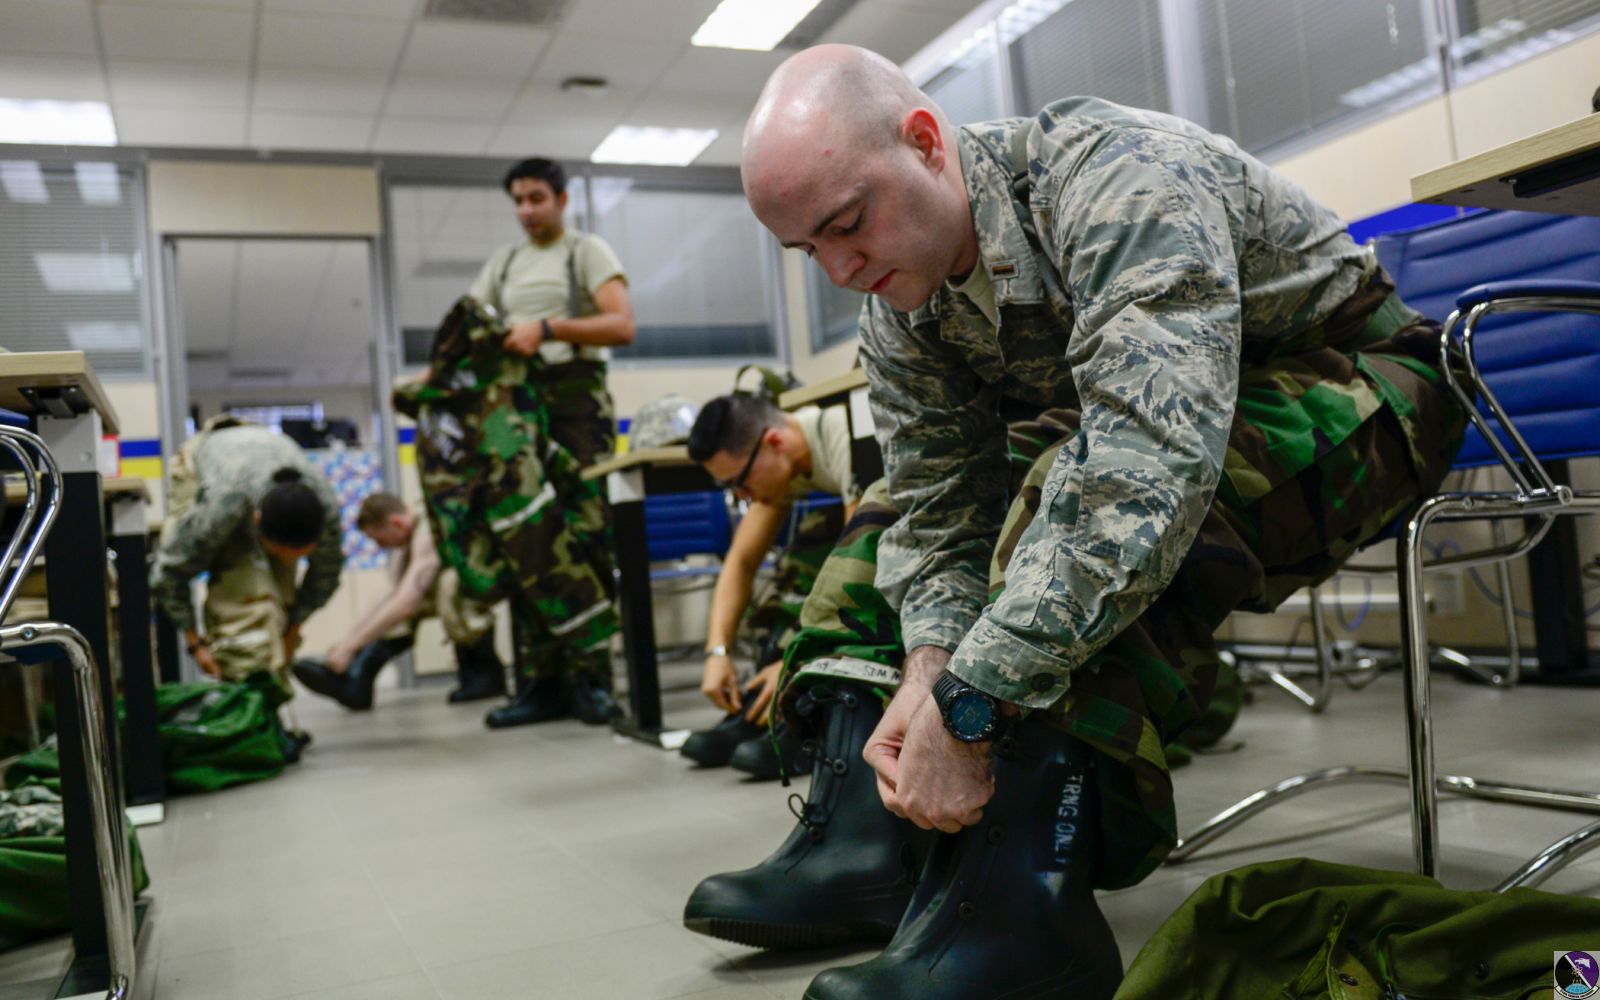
{"x": 589, "y": 698}
{"x": 353, "y": 688}
{"x": 763, "y": 761}
{"x": 1005, "y": 908}
{"x": 714, "y": 747}
{"x": 479, "y": 672}
{"x": 846, "y": 872}
{"x": 540, "y": 700}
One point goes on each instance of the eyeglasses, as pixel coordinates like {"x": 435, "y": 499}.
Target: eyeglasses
{"x": 737, "y": 482}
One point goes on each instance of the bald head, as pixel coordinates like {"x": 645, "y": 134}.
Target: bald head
{"x": 845, "y": 158}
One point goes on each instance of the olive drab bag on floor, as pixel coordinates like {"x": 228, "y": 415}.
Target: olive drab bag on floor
{"x": 33, "y": 865}
{"x": 211, "y": 736}
{"x": 1309, "y": 930}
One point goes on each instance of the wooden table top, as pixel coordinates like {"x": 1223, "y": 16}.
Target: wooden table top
{"x": 838, "y": 385}
{"x": 1557, "y": 171}
{"x": 114, "y": 488}
{"x": 52, "y": 370}
{"x": 673, "y": 455}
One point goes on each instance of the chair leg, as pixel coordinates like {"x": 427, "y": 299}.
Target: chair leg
{"x": 1553, "y": 858}
{"x": 1508, "y": 614}
{"x": 1419, "y": 720}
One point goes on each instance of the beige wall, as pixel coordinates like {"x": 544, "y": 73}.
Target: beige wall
{"x": 277, "y": 199}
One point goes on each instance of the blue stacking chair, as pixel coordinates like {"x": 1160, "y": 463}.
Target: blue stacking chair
{"x": 1519, "y": 298}
{"x": 680, "y": 525}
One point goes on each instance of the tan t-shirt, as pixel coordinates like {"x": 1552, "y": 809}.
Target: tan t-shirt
{"x": 827, "y": 434}
{"x": 980, "y": 292}
{"x": 536, "y": 285}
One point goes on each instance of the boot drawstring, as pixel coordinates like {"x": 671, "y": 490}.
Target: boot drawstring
{"x": 810, "y": 815}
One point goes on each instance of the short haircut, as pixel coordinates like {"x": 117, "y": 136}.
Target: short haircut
{"x": 291, "y": 512}
{"x": 377, "y": 508}
{"x": 1594, "y": 102}
{"x": 540, "y": 169}
{"x": 731, "y": 423}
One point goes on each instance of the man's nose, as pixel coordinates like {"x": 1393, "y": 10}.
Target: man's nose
{"x": 841, "y": 266}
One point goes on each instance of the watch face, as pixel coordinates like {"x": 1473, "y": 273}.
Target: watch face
{"x": 971, "y": 713}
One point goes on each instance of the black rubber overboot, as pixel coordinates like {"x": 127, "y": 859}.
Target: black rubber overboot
{"x": 353, "y": 688}
{"x": 772, "y": 754}
{"x": 540, "y": 700}
{"x": 714, "y": 747}
{"x": 589, "y": 697}
{"x": 479, "y": 672}
{"x": 846, "y": 872}
{"x": 1005, "y": 908}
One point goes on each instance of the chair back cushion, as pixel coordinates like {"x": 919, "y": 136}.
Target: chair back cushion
{"x": 685, "y": 524}
{"x": 1543, "y": 367}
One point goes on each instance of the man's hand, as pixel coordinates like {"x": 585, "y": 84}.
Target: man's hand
{"x": 291, "y": 641}
{"x": 925, "y": 774}
{"x": 207, "y": 661}
{"x": 524, "y": 338}
{"x": 943, "y": 783}
{"x": 720, "y": 683}
{"x": 764, "y": 685}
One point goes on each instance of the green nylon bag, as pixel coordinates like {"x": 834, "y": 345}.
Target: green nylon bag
{"x": 1309, "y": 930}
{"x": 33, "y": 877}
{"x": 211, "y": 735}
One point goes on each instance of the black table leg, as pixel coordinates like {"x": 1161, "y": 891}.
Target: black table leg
{"x": 638, "y": 624}
{"x": 142, "y": 752}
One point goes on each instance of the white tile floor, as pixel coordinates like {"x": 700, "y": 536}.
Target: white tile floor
{"x": 415, "y": 855}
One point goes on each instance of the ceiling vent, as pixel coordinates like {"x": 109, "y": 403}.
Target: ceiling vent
{"x": 537, "y": 13}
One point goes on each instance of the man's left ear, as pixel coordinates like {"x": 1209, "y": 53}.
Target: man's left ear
{"x": 921, "y": 130}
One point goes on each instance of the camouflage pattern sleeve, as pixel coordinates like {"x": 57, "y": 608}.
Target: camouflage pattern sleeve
{"x": 944, "y": 452}
{"x": 1142, "y": 238}
{"x": 321, "y": 578}
{"x": 190, "y": 545}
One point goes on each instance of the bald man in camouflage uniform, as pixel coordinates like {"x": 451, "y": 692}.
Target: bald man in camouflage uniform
{"x": 1231, "y": 399}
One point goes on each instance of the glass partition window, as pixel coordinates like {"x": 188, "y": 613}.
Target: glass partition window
{"x": 72, "y": 270}
{"x": 1491, "y": 34}
{"x": 696, "y": 262}
{"x": 969, "y": 90}
{"x": 835, "y": 311}
{"x": 1104, "y": 48}
{"x": 698, "y": 266}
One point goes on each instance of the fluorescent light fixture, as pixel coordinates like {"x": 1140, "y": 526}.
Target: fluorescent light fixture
{"x": 672, "y": 147}
{"x": 1025, "y": 15}
{"x": 69, "y": 123}
{"x": 24, "y": 182}
{"x": 98, "y": 183}
{"x": 756, "y": 25}
{"x": 103, "y": 336}
{"x": 85, "y": 272}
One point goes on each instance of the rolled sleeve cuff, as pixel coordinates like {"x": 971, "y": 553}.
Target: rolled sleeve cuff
{"x": 934, "y": 629}
{"x": 1000, "y": 664}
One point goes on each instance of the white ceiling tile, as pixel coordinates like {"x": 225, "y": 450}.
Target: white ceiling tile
{"x": 896, "y": 31}
{"x": 51, "y": 78}
{"x": 623, "y": 61}
{"x": 721, "y": 71}
{"x": 138, "y": 126}
{"x": 46, "y": 27}
{"x": 673, "y": 110}
{"x": 542, "y": 102}
{"x": 573, "y": 141}
{"x": 191, "y": 33}
{"x": 667, "y": 22}
{"x": 175, "y": 84}
{"x": 403, "y": 10}
{"x": 400, "y": 134}
{"x": 449, "y": 48}
{"x": 281, "y": 88}
{"x": 286, "y": 130}
{"x": 341, "y": 43}
{"x": 433, "y": 97}
{"x": 724, "y": 149}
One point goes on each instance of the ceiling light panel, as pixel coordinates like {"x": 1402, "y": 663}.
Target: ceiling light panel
{"x": 672, "y": 147}
{"x": 757, "y": 25}
{"x": 71, "y": 123}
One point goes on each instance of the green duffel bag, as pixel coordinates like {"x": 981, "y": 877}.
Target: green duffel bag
{"x": 211, "y": 736}
{"x": 33, "y": 865}
{"x": 1309, "y": 930}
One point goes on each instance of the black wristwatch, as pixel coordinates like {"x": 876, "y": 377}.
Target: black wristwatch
{"x": 971, "y": 716}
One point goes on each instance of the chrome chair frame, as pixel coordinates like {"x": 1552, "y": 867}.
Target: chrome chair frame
{"x": 112, "y": 854}
{"x": 1535, "y": 495}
